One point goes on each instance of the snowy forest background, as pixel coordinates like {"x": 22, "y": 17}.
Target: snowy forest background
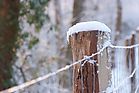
{"x": 33, "y": 40}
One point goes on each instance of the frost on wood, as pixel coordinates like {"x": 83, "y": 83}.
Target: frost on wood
{"x": 104, "y": 67}
{"x": 87, "y": 26}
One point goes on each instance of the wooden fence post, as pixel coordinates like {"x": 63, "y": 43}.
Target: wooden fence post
{"x": 127, "y": 52}
{"x": 137, "y": 56}
{"x": 85, "y": 39}
{"x": 133, "y": 85}
{"x": 130, "y": 59}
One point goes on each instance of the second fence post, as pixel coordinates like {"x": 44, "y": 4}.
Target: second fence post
{"x": 87, "y": 38}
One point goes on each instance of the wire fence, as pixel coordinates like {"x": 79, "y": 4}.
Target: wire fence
{"x": 106, "y": 44}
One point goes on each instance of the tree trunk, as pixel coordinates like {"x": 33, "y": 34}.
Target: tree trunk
{"x": 77, "y": 10}
{"x": 9, "y": 11}
{"x": 117, "y": 30}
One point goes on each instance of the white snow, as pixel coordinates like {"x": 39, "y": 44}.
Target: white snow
{"x": 87, "y": 26}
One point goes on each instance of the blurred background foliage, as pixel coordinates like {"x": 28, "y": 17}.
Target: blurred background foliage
{"x": 11, "y": 34}
{"x": 35, "y": 10}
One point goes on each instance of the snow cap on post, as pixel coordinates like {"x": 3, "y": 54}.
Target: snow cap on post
{"x": 87, "y": 26}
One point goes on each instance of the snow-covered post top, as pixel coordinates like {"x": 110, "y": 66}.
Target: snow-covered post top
{"x": 87, "y": 38}
{"x": 87, "y": 26}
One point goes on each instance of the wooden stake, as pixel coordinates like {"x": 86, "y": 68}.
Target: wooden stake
{"x": 86, "y": 77}
{"x": 133, "y": 85}
{"x": 127, "y": 52}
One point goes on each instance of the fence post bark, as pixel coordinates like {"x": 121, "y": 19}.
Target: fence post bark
{"x": 131, "y": 59}
{"x": 127, "y": 52}
{"x": 133, "y": 85}
{"x": 137, "y": 56}
{"x": 87, "y": 77}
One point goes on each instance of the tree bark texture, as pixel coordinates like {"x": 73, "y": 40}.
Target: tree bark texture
{"x": 9, "y": 11}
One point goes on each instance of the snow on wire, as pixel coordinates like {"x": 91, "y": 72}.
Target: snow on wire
{"x": 34, "y": 81}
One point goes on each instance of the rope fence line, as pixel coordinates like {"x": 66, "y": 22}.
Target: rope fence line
{"x": 31, "y": 82}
